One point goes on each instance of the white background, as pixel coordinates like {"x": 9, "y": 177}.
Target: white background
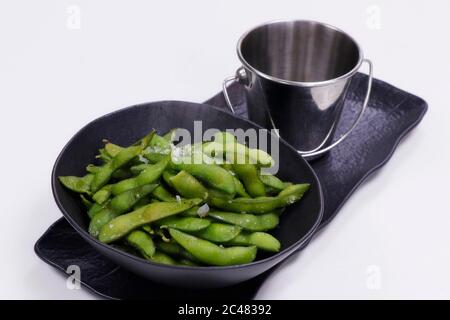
{"x": 390, "y": 240}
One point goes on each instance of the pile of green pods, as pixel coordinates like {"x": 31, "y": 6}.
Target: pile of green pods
{"x": 145, "y": 199}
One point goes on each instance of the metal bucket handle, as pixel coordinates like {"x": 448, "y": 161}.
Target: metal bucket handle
{"x": 240, "y": 74}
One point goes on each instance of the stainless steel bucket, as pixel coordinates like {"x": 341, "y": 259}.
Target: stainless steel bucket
{"x": 296, "y": 75}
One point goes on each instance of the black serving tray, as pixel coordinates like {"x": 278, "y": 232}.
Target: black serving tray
{"x": 390, "y": 115}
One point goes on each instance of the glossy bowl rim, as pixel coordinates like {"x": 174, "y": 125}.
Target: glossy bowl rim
{"x": 288, "y": 251}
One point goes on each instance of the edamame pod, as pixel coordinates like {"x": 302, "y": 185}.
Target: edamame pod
{"x": 272, "y": 181}
{"x": 262, "y": 204}
{"x": 161, "y": 257}
{"x": 167, "y": 175}
{"x": 92, "y": 168}
{"x": 192, "y": 212}
{"x": 236, "y": 152}
{"x": 240, "y": 190}
{"x": 219, "y": 232}
{"x": 124, "y": 156}
{"x": 214, "y": 193}
{"x": 158, "y": 149}
{"x": 163, "y": 194}
{"x": 122, "y": 225}
{"x": 261, "y": 240}
{"x": 210, "y": 253}
{"x": 121, "y": 174}
{"x": 113, "y": 149}
{"x": 103, "y": 155}
{"x": 78, "y": 184}
{"x": 102, "y": 176}
{"x": 147, "y": 176}
{"x": 141, "y": 203}
{"x": 248, "y": 222}
{"x": 249, "y": 175}
{"x": 188, "y": 186}
{"x": 96, "y": 208}
{"x": 141, "y": 241}
{"x": 117, "y": 206}
{"x": 174, "y": 249}
{"x": 103, "y": 194}
{"x": 188, "y": 224}
{"x": 214, "y": 175}
{"x": 139, "y": 168}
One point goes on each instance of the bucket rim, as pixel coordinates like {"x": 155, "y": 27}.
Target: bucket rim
{"x": 307, "y": 84}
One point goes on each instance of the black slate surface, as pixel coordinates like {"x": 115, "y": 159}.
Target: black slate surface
{"x": 391, "y": 114}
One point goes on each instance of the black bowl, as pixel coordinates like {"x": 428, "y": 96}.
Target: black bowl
{"x": 297, "y": 223}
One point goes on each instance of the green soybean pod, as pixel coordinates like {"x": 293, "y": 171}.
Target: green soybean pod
{"x": 213, "y": 175}
{"x": 248, "y": 222}
{"x": 261, "y": 240}
{"x": 149, "y": 175}
{"x": 167, "y": 175}
{"x": 240, "y": 189}
{"x": 161, "y": 257}
{"x": 214, "y": 193}
{"x": 122, "y": 225}
{"x": 113, "y": 149}
{"x": 139, "y": 168}
{"x": 219, "y": 232}
{"x": 119, "y": 160}
{"x": 261, "y": 204}
{"x": 272, "y": 181}
{"x": 210, "y": 253}
{"x": 141, "y": 203}
{"x": 96, "y": 208}
{"x": 102, "y": 176}
{"x": 141, "y": 241}
{"x": 188, "y": 186}
{"x": 77, "y": 184}
{"x": 188, "y": 224}
{"x": 163, "y": 194}
{"x": 158, "y": 149}
{"x": 174, "y": 249}
{"x": 239, "y": 153}
{"x": 122, "y": 173}
{"x": 103, "y": 155}
{"x": 92, "y": 168}
{"x": 192, "y": 212}
{"x": 103, "y": 194}
{"x": 249, "y": 175}
{"x": 119, "y": 174}
{"x": 271, "y": 192}
{"x": 118, "y": 205}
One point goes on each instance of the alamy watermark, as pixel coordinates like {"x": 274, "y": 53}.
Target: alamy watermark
{"x": 73, "y": 281}
{"x": 373, "y": 21}
{"x": 233, "y": 146}
{"x": 373, "y": 279}
{"x": 73, "y": 19}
